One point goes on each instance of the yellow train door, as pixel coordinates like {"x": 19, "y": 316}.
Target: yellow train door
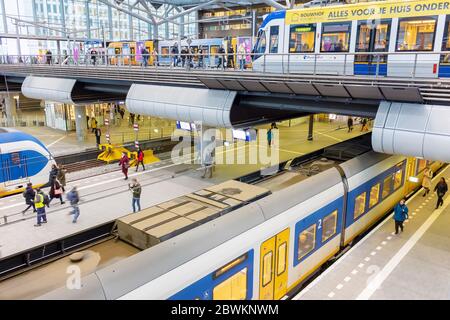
{"x": 274, "y": 267}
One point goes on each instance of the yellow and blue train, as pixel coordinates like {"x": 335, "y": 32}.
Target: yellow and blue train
{"x": 387, "y": 38}
{"x": 267, "y": 248}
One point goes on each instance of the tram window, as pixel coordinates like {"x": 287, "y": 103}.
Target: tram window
{"x": 281, "y": 265}
{"x": 329, "y": 226}
{"x": 267, "y": 269}
{"x": 387, "y": 186}
{"x": 374, "y": 195}
{"x": 273, "y": 45}
{"x": 416, "y": 34}
{"x": 398, "y": 178}
{"x": 445, "y": 58}
{"x": 302, "y": 38}
{"x": 165, "y": 52}
{"x": 306, "y": 241}
{"x": 234, "y": 288}
{"x": 335, "y": 37}
{"x": 360, "y": 205}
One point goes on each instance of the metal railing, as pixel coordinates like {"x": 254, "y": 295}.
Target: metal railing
{"x": 377, "y": 64}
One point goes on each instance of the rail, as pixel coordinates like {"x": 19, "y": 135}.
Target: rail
{"x": 376, "y": 64}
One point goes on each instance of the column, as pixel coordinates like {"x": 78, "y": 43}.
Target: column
{"x": 80, "y": 122}
{"x": 11, "y": 110}
{"x": 311, "y": 127}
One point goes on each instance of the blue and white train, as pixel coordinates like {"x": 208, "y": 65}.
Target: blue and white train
{"x": 264, "y": 249}
{"x": 385, "y": 38}
{"x": 23, "y": 159}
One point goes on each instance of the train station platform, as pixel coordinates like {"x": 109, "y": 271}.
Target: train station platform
{"x": 161, "y": 181}
{"x": 415, "y": 264}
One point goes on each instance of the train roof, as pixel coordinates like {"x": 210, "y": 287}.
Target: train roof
{"x": 8, "y": 135}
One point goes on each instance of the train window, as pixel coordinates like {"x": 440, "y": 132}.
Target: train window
{"x": 267, "y": 268}
{"x": 329, "y": 226}
{"x": 360, "y": 205}
{"x": 260, "y": 46}
{"x": 416, "y": 34}
{"x": 398, "y": 178}
{"x": 420, "y": 165}
{"x": 165, "y": 52}
{"x": 445, "y": 58}
{"x": 374, "y": 195}
{"x": 234, "y": 288}
{"x": 387, "y": 186}
{"x": 302, "y": 38}
{"x": 306, "y": 241}
{"x": 372, "y": 38}
{"x": 273, "y": 45}
{"x": 229, "y": 266}
{"x": 335, "y": 37}
{"x": 281, "y": 265}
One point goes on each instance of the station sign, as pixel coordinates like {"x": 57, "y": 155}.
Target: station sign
{"x": 136, "y": 127}
{"x": 136, "y": 144}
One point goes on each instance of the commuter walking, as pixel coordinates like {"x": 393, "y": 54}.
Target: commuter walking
{"x": 94, "y": 56}
{"x": 155, "y": 57}
{"x": 209, "y": 155}
{"x": 136, "y": 189}
{"x": 125, "y": 164}
{"x": 48, "y": 55}
{"x": 241, "y": 56}
{"x": 140, "y": 159}
{"x": 61, "y": 176}
{"x": 364, "y": 125}
{"x": 145, "y": 55}
{"x": 400, "y": 215}
{"x": 56, "y": 191}
{"x": 74, "y": 199}
{"x": 98, "y": 134}
{"x": 441, "y": 189}
{"x": 200, "y": 58}
{"x": 39, "y": 202}
{"x": 426, "y": 182}
{"x": 52, "y": 175}
{"x": 350, "y": 124}
{"x": 231, "y": 57}
{"x": 174, "y": 53}
{"x": 221, "y": 63}
{"x": 29, "y": 196}
{"x": 93, "y": 124}
{"x": 183, "y": 57}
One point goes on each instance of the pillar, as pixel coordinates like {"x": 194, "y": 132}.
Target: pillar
{"x": 11, "y": 110}
{"x": 80, "y": 122}
{"x": 311, "y": 127}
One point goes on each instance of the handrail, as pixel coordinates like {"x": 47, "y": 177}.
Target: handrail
{"x": 274, "y": 63}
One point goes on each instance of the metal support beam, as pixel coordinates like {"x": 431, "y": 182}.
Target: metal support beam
{"x": 5, "y": 23}
{"x": 274, "y": 4}
{"x": 135, "y": 15}
{"x": 185, "y": 12}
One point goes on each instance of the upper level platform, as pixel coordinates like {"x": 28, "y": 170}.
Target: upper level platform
{"x": 319, "y": 81}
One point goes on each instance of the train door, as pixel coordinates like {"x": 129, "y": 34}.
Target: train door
{"x": 274, "y": 267}
{"x": 372, "y": 37}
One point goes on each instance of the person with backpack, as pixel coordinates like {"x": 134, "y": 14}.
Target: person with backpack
{"x": 56, "y": 191}
{"x": 350, "y": 124}
{"x": 52, "y": 175}
{"x": 441, "y": 189}
{"x": 125, "y": 164}
{"x": 74, "y": 199}
{"x": 140, "y": 159}
{"x": 136, "y": 189}
{"x": 39, "y": 202}
{"x": 400, "y": 215}
{"x": 174, "y": 53}
{"x": 29, "y": 195}
{"x": 93, "y": 124}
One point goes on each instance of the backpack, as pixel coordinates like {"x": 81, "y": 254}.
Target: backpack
{"x": 46, "y": 199}
{"x": 24, "y": 194}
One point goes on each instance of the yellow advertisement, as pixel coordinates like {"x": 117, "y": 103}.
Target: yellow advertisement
{"x": 369, "y": 11}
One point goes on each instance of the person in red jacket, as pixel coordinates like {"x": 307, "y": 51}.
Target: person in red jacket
{"x": 140, "y": 159}
{"x": 125, "y": 164}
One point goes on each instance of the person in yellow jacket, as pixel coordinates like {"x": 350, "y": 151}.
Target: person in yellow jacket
{"x": 39, "y": 202}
